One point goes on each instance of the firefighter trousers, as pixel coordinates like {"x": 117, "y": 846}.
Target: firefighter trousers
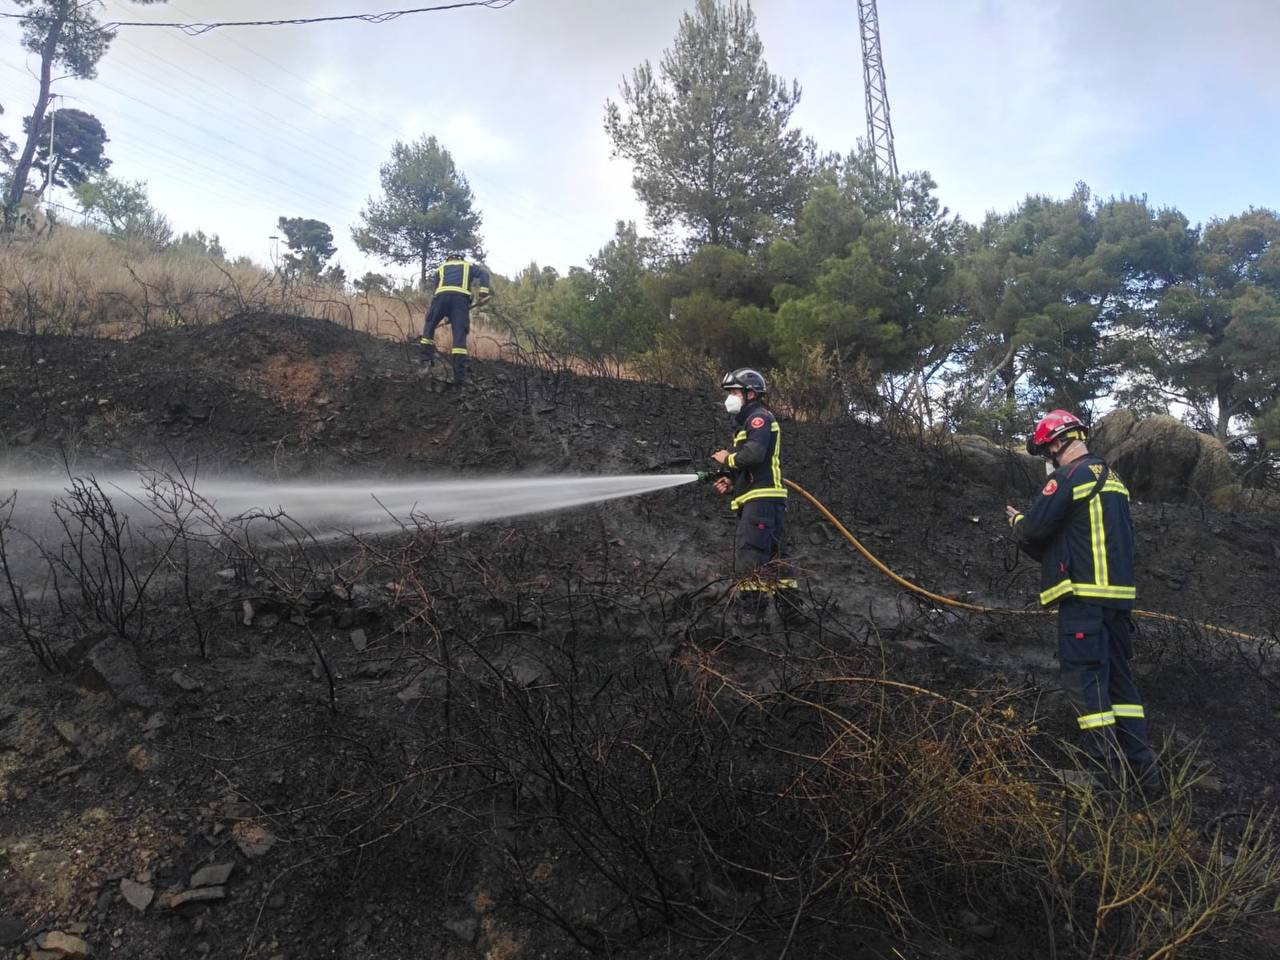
{"x": 1095, "y": 652}
{"x": 456, "y": 308}
{"x": 759, "y": 560}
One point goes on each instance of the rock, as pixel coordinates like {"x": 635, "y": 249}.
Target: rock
{"x": 247, "y": 613}
{"x": 137, "y": 895}
{"x": 464, "y": 930}
{"x": 186, "y": 682}
{"x": 1079, "y": 779}
{"x": 524, "y": 672}
{"x": 11, "y": 930}
{"x": 226, "y": 574}
{"x": 142, "y": 759}
{"x": 68, "y": 731}
{"x": 50, "y": 873}
{"x": 112, "y": 665}
{"x": 1212, "y": 783}
{"x": 253, "y": 839}
{"x": 200, "y": 895}
{"x": 997, "y": 466}
{"x": 1162, "y": 459}
{"x": 63, "y": 945}
{"x": 359, "y": 640}
{"x": 425, "y": 684}
{"x": 214, "y": 875}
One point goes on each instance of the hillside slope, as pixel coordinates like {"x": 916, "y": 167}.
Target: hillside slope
{"x": 333, "y": 683}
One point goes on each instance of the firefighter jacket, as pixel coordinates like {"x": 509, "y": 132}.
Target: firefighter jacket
{"x": 1080, "y": 530}
{"x": 755, "y": 460}
{"x": 457, "y": 276}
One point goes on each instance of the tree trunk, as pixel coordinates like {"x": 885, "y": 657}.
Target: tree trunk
{"x": 1225, "y": 393}
{"x": 23, "y": 167}
{"x": 422, "y": 279}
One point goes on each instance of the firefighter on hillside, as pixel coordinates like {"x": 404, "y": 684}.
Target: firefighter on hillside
{"x": 455, "y": 279}
{"x": 1080, "y": 530}
{"x": 754, "y": 464}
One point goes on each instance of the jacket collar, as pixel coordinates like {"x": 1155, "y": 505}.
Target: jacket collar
{"x": 749, "y": 409}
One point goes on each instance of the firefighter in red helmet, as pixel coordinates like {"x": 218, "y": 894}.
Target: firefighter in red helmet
{"x": 1080, "y": 530}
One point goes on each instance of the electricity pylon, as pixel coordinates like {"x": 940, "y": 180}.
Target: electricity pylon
{"x": 879, "y": 129}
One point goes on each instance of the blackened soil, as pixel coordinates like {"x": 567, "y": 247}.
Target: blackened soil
{"x": 311, "y": 717}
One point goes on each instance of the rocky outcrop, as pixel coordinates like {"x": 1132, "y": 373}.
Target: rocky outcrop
{"x": 988, "y": 462}
{"x": 1162, "y": 459}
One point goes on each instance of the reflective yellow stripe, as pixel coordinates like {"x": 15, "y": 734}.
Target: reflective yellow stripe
{"x": 459, "y": 350}
{"x": 1053, "y": 593}
{"x": 740, "y": 436}
{"x": 732, "y": 461}
{"x": 1098, "y": 540}
{"x": 1098, "y": 591}
{"x": 788, "y": 583}
{"x": 1110, "y": 486}
{"x": 760, "y": 493}
{"x": 1092, "y": 720}
{"x": 426, "y": 341}
{"x": 1128, "y": 710}
{"x": 777, "y": 454}
{"x": 1105, "y": 592}
{"x": 464, "y": 287}
{"x": 756, "y": 586}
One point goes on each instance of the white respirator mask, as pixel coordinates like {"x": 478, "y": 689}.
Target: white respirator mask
{"x": 1049, "y": 468}
{"x": 733, "y": 403}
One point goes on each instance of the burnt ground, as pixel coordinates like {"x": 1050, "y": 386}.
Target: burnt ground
{"x": 540, "y": 737}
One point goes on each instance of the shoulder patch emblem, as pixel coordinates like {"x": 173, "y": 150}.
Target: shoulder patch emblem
{"x": 1096, "y": 468}
{"x": 757, "y": 423}
{"x": 1050, "y": 488}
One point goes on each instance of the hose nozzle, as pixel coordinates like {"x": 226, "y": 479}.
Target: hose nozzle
{"x": 714, "y": 474}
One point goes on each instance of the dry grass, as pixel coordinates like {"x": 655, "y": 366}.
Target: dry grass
{"x": 82, "y": 282}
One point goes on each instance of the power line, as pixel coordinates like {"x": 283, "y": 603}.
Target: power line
{"x": 511, "y": 204}
{"x": 197, "y": 29}
{"x": 535, "y": 214}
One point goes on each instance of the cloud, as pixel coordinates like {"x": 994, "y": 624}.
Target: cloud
{"x": 472, "y": 141}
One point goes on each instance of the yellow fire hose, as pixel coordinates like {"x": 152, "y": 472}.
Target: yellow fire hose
{"x": 978, "y": 608}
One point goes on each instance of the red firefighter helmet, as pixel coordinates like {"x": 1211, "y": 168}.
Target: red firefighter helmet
{"x": 1050, "y": 427}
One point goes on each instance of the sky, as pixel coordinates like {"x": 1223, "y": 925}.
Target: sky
{"x": 997, "y": 99}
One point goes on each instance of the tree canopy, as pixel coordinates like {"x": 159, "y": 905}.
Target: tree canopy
{"x": 426, "y": 211}
{"x": 310, "y": 243}
{"x": 78, "y": 144}
{"x": 708, "y": 132}
{"x": 65, "y": 34}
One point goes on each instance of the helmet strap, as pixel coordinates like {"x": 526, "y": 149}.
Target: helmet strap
{"x": 1073, "y": 449}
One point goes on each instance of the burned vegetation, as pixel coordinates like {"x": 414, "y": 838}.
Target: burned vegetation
{"x": 225, "y": 736}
